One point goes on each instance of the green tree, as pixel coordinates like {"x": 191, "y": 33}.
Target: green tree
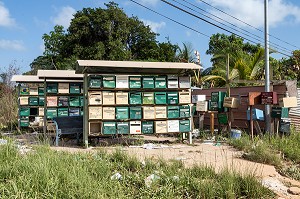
{"x": 102, "y": 34}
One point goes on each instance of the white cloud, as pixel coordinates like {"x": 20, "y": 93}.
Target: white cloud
{"x": 5, "y": 18}
{"x": 64, "y": 16}
{"x": 12, "y": 45}
{"x": 153, "y": 25}
{"x": 252, "y": 11}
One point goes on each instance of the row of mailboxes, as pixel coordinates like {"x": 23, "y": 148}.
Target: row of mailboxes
{"x": 140, "y": 127}
{"x": 124, "y": 81}
{"x": 256, "y": 98}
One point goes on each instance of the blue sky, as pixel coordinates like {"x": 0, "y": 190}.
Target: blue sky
{"x": 22, "y": 23}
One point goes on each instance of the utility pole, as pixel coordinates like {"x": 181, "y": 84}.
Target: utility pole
{"x": 267, "y": 70}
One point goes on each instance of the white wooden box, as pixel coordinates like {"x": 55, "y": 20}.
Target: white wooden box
{"x": 109, "y": 113}
{"x": 108, "y": 98}
{"x": 184, "y": 97}
{"x": 231, "y": 102}
{"x": 184, "y": 82}
{"x": 95, "y": 98}
{"x": 161, "y": 127}
{"x": 63, "y": 87}
{"x": 135, "y": 127}
{"x": 196, "y": 98}
{"x": 122, "y": 81}
{"x": 160, "y": 112}
{"x": 172, "y": 81}
{"x": 288, "y": 102}
{"x": 33, "y": 91}
{"x": 41, "y": 111}
{"x": 173, "y": 126}
{"x": 202, "y": 106}
{"x": 23, "y": 100}
{"x": 95, "y": 112}
{"x": 52, "y": 101}
{"x": 148, "y": 112}
{"x": 121, "y": 97}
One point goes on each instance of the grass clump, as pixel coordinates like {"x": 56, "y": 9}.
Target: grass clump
{"x": 45, "y": 173}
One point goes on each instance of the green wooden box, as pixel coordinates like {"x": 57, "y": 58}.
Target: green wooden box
{"x": 122, "y": 127}
{"x": 24, "y": 90}
{"x": 62, "y": 112}
{"x": 148, "y": 82}
{"x": 280, "y": 112}
{"x": 24, "y": 111}
{"x": 184, "y": 111}
{"x": 41, "y": 101}
{"x": 74, "y": 101}
{"x": 160, "y": 82}
{"x": 217, "y": 106}
{"x": 51, "y": 112}
{"x": 173, "y": 112}
{"x": 222, "y": 118}
{"x": 135, "y": 98}
{"x": 81, "y": 101}
{"x": 160, "y": 97}
{"x": 109, "y": 81}
{"x": 148, "y": 98}
{"x": 135, "y": 81}
{"x": 75, "y": 88}
{"x": 52, "y": 88}
{"x": 184, "y": 126}
{"x": 33, "y": 101}
{"x": 147, "y": 127}
{"x": 24, "y": 121}
{"x": 41, "y": 90}
{"x": 109, "y": 128}
{"x": 218, "y": 96}
{"x": 172, "y": 97}
{"x": 63, "y": 101}
{"x": 95, "y": 81}
{"x": 122, "y": 113}
{"x": 135, "y": 113}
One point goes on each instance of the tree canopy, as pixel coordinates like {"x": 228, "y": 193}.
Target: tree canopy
{"x": 102, "y": 34}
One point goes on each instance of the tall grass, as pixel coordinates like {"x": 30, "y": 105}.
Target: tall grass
{"x": 273, "y": 150}
{"x": 45, "y": 173}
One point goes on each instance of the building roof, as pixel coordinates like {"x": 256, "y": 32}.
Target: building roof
{"x": 132, "y": 67}
{"x": 56, "y": 74}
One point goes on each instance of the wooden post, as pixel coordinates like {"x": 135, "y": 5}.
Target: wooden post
{"x": 251, "y": 123}
{"x": 201, "y": 120}
{"x": 212, "y": 123}
{"x": 229, "y": 120}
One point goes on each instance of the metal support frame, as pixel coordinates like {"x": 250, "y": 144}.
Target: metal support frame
{"x": 85, "y": 113}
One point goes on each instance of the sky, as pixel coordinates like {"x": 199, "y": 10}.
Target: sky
{"x": 23, "y": 23}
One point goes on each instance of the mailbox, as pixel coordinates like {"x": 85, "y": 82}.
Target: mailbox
{"x": 280, "y": 112}
{"x": 285, "y": 126}
{"x": 254, "y": 98}
{"x": 269, "y": 98}
{"x": 218, "y": 96}
{"x": 231, "y": 102}
{"x": 202, "y": 106}
{"x": 257, "y": 114}
{"x": 222, "y": 118}
{"x": 288, "y": 102}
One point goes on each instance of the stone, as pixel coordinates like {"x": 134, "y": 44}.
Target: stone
{"x": 294, "y": 190}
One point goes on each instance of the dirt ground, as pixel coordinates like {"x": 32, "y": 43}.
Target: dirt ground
{"x": 218, "y": 155}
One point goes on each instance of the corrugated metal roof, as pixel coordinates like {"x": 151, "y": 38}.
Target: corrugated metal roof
{"x": 131, "y": 67}
{"x": 296, "y": 110}
{"x": 66, "y": 74}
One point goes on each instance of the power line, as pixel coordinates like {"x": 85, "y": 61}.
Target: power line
{"x": 171, "y": 19}
{"x": 212, "y": 23}
{"x": 261, "y": 39}
{"x": 246, "y": 23}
